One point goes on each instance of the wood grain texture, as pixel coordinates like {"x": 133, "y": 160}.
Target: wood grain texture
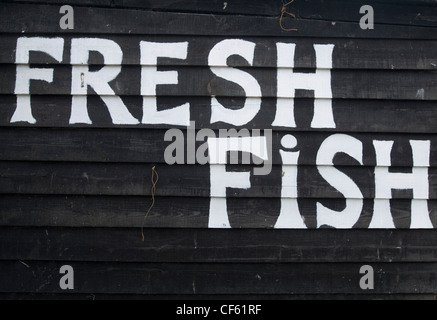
{"x": 319, "y": 10}
{"x": 364, "y": 116}
{"x": 209, "y": 298}
{"x": 405, "y": 12}
{"x": 148, "y": 146}
{"x": 179, "y": 180}
{"x": 217, "y": 246}
{"x": 173, "y": 212}
{"x": 201, "y": 82}
{"x": 348, "y": 53}
{"x": 45, "y": 19}
{"x": 145, "y": 278}
{"x": 79, "y": 194}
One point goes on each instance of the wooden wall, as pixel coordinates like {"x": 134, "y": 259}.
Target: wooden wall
{"x": 77, "y": 194}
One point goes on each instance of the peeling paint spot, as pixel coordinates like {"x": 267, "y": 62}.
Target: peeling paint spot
{"x": 420, "y": 94}
{"x": 85, "y": 175}
{"x": 225, "y": 5}
{"x": 195, "y": 242}
{"x": 194, "y": 287}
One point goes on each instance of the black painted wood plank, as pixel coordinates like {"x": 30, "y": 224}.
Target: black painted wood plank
{"x": 220, "y": 262}
{"x": 143, "y": 278}
{"x": 217, "y": 246}
{"x": 372, "y": 116}
{"x": 348, "y": 53}
{"x": 101, "y": 211}
{"x": 173, "y": 212}
{"x": 148, "y": 146}
{"x": 179, "y": 180}
{"x": 45, "y": 19}
{"x": 201, "y": 82}
{"x": 231, "y": 298}
{"x": 389, "y": 12}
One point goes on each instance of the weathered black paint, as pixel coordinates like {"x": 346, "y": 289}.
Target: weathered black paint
{"x": 64, "y": 178}
{"x": 351, "y": 115}
{"x": 382, "y": 54}
{"x": 171, "y": 212}
{"x": 218, "y": 278}
{"x": 216, "y": 246}
{"x": 201, "y": 82}
{"x": 145, "y": 146}
{"x": 129, "y": 21}
{"x": 78, "y": 194}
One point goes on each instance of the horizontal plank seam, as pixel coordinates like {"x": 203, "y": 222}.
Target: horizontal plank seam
{"x": 248, "y": 166}
{"x": 276, "y": 16}
{"x": 236, "y": 15}
{"x": 220, "y": 263}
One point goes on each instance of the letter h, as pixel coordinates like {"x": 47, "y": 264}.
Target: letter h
{"x": 290, "y": 81}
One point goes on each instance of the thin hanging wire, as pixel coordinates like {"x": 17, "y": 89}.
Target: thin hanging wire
{"x": 285, "y": 12}
{"x": 155, "y": 179}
